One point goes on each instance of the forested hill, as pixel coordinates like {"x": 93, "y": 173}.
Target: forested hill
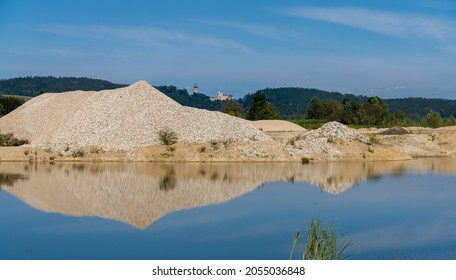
{"x": 32, "y": 86}
{"x": 418, "y": 107}
{"x": 292, "y": 102}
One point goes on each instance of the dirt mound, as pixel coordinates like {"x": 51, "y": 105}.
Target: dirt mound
{"x": 119, "y": 119}
{"x": 395, "y": 130}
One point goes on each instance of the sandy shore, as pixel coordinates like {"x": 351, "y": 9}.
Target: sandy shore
{"x": 420, "y": 142}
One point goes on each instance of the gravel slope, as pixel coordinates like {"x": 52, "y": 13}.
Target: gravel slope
{"x": 119, "y": 119}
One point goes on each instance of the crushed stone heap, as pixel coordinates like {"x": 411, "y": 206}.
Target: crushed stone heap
{"x": 320, "y": 141}
{"x": 119, "y": 119}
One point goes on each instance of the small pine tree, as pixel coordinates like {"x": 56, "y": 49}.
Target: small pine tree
{"x": 260, "y": 109}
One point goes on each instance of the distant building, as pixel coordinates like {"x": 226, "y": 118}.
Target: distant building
{"x": 195, "y": 88}
{"x": 221, "y": 96}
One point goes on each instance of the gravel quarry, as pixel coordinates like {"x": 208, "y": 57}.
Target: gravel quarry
{"x": 119, "y": 119}
{"x": 124, "y": 124}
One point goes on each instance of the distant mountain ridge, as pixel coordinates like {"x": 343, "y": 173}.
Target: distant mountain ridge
{"x": 291, "y": 102}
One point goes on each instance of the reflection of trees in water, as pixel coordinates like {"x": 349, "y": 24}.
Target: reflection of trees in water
{"x": 214, "y": 176}
{"x": 168, "y": 182}
{"x": 79, "y": 167}
{"x": 398, "y": 172}
{"x": 291, "y": 179}
{"x": 226, "y": 178}
{"x": 373, "y": 177}
{"x": 9, "y": 179}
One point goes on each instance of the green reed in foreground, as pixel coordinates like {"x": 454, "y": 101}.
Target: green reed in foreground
{"x": 321, "y": 243}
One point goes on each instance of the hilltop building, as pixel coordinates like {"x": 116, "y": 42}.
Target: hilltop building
{"x": 222, "y": 97}
{"x": 195, "y": 88}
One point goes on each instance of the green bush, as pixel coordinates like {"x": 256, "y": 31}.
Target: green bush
{"x": 167, "y": 136}
{"x": 78, "y": 152}
{"x": 8, "y": 139}
{"x": 373, "y": 139}
{"x": 96, "y": 150}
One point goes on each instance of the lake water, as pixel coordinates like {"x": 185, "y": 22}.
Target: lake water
{"x": 389, "y": 210}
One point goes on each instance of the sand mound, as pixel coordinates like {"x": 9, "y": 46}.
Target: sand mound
{"x": 395, "y": 130}
{"x": 119, "y": 119}
{"x": 277, "y": 126}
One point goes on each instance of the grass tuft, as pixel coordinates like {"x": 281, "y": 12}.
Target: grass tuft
{"x": 321, "y": 243}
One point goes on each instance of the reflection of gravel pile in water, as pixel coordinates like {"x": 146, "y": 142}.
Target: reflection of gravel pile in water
{"x": 139, "y": 194}
{"x": 119, "y": 119}
{"x": 123, "y": 194}
{"x": 320, "y": 141}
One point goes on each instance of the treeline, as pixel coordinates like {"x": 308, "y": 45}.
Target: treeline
{"x": 289, "y": 102}
{"x": 292, "y": 102}
{"x": 33, "y": 86}
{"x": 373, "y": 112}
{"x": 418, "y": 107}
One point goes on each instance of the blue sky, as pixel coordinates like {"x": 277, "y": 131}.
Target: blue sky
{"x": 388, "y": 48}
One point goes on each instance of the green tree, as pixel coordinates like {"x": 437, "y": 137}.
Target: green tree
{"x": 433, "y": 119}
{"x": 233, "y": 108}
{"x": 375, "y": 111}
{"x": 451, "y": 121}
{"x": 9, "y": 103}
{"x": 333, "y": 111}
{"x": 352, "y": 112}
{"x": 316, "y": 109}
{"x": 260, "y": 109}
{"x": 397, "y": 118}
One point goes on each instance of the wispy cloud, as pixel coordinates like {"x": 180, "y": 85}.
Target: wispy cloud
{"x": 144, "y": 36}
{"x": 440, "y": 5}
{"x": 72, "y": 52}
{"x": 390, "y": 23}
{"x": 258, "y": 30}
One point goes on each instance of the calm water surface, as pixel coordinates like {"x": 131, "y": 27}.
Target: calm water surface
{"x": 389, "y": 210}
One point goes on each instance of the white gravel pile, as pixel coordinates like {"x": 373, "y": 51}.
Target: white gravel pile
{"x": 320, "y": 141}
{"x": 337, "y": 131}
{"x": 119, "y": 119}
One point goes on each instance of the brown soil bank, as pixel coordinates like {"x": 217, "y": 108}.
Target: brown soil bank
{"x": 124, "y": 125}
